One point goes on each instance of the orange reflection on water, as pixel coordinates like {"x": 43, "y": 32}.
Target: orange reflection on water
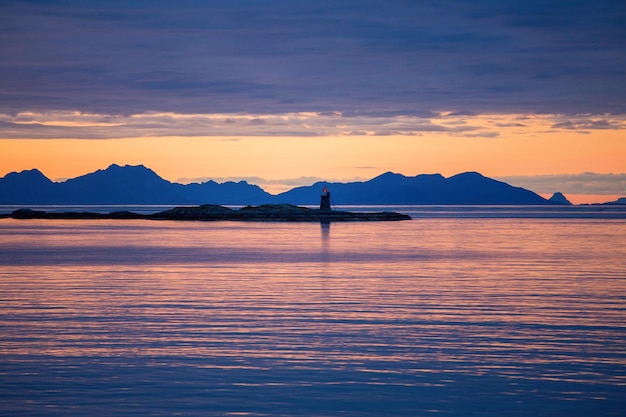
{"x": 528, "y": 298}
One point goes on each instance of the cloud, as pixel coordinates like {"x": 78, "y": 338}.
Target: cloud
{"x": 511, "y": 125}
{"x": 482, "y": 135}
{"x": 588, "y": 124}
{"x": 62, "y": 124}
{"x": 75, "y": 124}
{"x": 358, "y": 57}
{"x": 583, "y": 183}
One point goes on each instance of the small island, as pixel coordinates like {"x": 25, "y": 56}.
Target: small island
{"x": 212, "y": 212}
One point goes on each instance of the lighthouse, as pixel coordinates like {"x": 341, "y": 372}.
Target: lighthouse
{"x": 325, "y": 201}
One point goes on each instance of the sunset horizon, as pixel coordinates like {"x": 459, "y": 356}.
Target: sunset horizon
{"x": 282, "y": 91}
{"x": 278, "y": 186}
{"x": 433, "y": 218}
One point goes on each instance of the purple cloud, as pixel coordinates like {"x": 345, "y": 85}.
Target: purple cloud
{"x": 356, "y": 57}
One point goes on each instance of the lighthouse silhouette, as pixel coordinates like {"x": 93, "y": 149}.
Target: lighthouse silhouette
{"x": 325, "y": 201}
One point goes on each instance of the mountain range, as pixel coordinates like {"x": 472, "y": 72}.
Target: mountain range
{"x": 121, "y": 185}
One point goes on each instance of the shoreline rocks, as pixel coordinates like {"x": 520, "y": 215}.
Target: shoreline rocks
{"x": 211, "y": 212}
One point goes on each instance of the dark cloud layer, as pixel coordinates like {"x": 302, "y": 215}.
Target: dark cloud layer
{"x": 356, "y": 57}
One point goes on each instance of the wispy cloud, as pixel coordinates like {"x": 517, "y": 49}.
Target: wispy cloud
{"x": 74, "y": 124}
{"x": 99, "y": 126}
{"x": 589, "y": 124}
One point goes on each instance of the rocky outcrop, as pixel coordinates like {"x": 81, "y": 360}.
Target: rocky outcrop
{"x": 272, "y": 213}
{"x": 559, "y": 198}
{"x": 25, "y": 213}
{"x": 211, "y": 212}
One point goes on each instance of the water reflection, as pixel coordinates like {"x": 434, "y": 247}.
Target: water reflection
{"x": 325, "y": 228}
{"x": 521, "y": 317}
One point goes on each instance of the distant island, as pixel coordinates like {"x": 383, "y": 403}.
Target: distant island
{"x": 210, "y": 212}
{"x": 618, "y": 202}
{"x": 125, "y": 185}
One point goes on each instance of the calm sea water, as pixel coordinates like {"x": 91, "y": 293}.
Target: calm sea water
{"x": 434, "y": 316}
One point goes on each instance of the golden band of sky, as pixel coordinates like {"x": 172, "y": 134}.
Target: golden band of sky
{"x": 492, "y": 145}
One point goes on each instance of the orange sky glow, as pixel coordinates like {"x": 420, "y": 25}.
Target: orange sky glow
{"x": 494, "y": 145}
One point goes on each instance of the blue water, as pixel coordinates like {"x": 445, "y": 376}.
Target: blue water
{"x": 447, "y": 315}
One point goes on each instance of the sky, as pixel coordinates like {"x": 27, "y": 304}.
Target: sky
{"x": 285, "y": 93}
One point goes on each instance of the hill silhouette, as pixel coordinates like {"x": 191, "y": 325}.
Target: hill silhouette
{"x": 559, "y": 198}
{"x": 18, "y": 187}
{"x": 123, "y": 185}
{"x": 119, "y": 185}
{"x": 470, "y": 188}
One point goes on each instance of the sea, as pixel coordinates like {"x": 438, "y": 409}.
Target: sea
{"x": 461, "y": 311}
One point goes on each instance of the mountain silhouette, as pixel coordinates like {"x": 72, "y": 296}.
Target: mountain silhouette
{"x": 123, "y": 185}
{"x": 17, "y": 188}
{"x": 619, "y": 201}
{"x": 120, "y": 185}
{"x": 470, "y": 188}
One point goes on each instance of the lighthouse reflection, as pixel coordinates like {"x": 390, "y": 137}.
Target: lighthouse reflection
{"x": 325, "y": 228}
{"x": 325, "y": 225}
